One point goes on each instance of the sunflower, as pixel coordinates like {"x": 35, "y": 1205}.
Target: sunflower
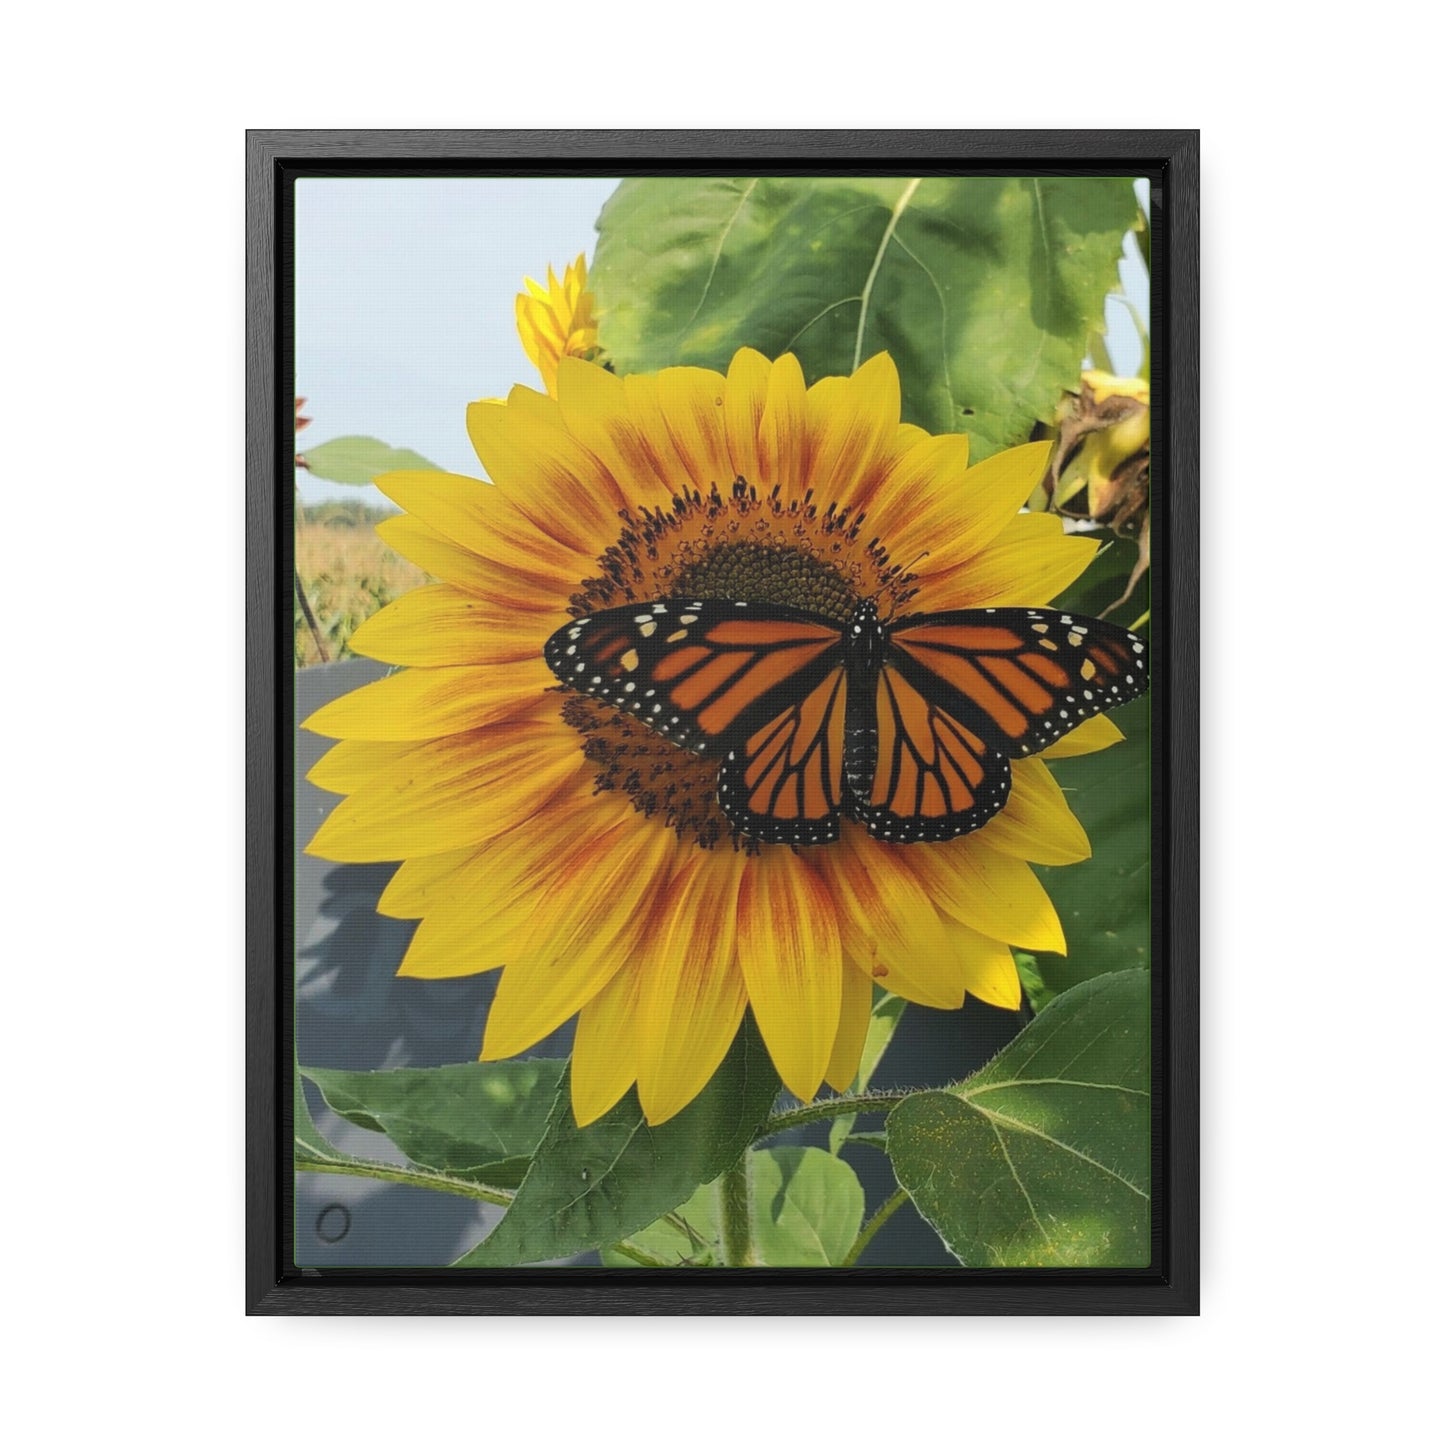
{"x": 556, "y": 320}
{"x": 545, "y": 833}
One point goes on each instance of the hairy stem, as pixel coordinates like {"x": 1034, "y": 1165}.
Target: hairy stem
{"x": 879, "y": 1103}
{"x": 735, "y": 1213}
{"x": 399, "y": 1174}
{"x": 865, "y": 1235}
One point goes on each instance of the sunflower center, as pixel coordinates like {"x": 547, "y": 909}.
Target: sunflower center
{"x": 738, "y": 547}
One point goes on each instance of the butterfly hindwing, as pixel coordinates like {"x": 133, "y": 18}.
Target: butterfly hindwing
{"x": 916, "y": 772}
{"x": 1020, "y": 677}
{"x": 784, "y": 782}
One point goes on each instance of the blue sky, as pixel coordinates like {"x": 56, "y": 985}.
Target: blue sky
{"x": 405, "y": 292}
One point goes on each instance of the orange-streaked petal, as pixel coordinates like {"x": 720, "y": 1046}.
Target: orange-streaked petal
{"x": 693, "y": 995}
{"x": 1029, "y": 560}
{"x": 556, "y": 485}
{"x": 422, "y": 883}
{"x": 500, "y": 585}
{"x": 791, "y": 957}
{"x": 692, "y": 401}
{"x": 605, "y": 1051}
{"x": 956, "y": 511}
{"x": 990, "y": 892}
{"x": 782, "y": 454}
{"x": 852, "y": 421}
{"x": 438, "y": 796}
{"x": 595, "y": 407}
{"x": 480, "y": 517}
{"x": 890, "y": 927}
{"x": 743, "y": 403}
{"x": 435, "y": 702}
{"x": 1092, "y": 736}
{"x": 444, "y": 626}
{"x": 1036, "y": 823}
{"x": 856, "y": 1010}
{"x": 579, "y": 936}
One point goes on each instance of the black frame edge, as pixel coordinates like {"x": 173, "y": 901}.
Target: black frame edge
{"x": 270, "y": 1288}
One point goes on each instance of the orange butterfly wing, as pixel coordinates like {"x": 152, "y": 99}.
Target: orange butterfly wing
{"x": 761, "y": 687}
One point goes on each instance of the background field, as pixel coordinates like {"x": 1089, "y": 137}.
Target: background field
{"x": 347, "y": 573}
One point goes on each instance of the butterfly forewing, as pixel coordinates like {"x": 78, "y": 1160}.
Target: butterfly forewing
{"x": 1019, "y": 677}
{"x": 700, "y": 673}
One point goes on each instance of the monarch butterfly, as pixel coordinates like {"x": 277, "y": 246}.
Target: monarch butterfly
{"x": 906, "y": 726}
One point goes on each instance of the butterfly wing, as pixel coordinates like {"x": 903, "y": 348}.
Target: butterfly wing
{"x": 1020, "y": 677}
{"x": 761, "y": 687}
{"x": 960, "y": 693}
{"x": 916, "y": 772}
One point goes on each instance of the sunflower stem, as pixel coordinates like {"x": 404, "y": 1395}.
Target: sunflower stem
{"x": 865, "y": 1235}
{"x": 735, "y": 1213}
{"x": 394, "y": 1174}
{"x": 780, "y": 1123}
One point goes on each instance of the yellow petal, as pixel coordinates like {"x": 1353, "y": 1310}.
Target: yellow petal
{"x": 692, "y": 404}
{"x": 791, "y": 957}
{"x": 1036, "y": 823}
{"x": 553, "y": 482}
{"x": 857, "y": 1007}
{"x": 693, "y": 995}
{"x": 933, "y": 502}
{"x": 351, "y": 765}
{"x": 579, "y": 934}
{"x": 455, "y": 944}
{"x": 890, "y": 928}
{"x": 1031, "y": 559}
{"x": 446, "y": 627}
{"x": 1093, "y": 736}
{"x": 498, "y": 583}
{"x": 435, "y": 702}
{"x": 604, "y": 1054}
{"x": 420, "y": 884}
{"x": 743, "y": 403}
{"x": 985, "y": 966}
{"x": 782, "y": 456}
{"x": 851, "y": 422}
{"x": 481, "y": 518}
{"x": 644, "y": 406}
{"x": 595, "y": 407}
{"x": 442, "y": 795}
{"x": 990, "y": 892}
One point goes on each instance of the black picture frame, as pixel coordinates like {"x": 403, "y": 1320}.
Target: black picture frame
{"x": 1170, "y": 161}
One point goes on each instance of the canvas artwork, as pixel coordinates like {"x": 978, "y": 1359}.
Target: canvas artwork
{"x": 722, "y": 633}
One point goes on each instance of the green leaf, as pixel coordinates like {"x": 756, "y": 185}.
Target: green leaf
{"x": 588, "y": 1187}
{"x": 983, "y": 289}
{"x": 310, "y": 1143}
{"x": 887, "y": 1011}
{"x": 1104, "y": 903}
{"x": 360, "y": 460}
{"x": 687, "y": 1236}
{"x": 1042, "y": 1157}
{"x": 807, "y": 1206}
{"x": 473, "y": 1121}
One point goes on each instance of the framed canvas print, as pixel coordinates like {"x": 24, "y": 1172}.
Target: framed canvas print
{"x": 722, "y": 682}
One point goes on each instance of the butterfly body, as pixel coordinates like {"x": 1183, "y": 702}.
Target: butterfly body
{"x": 906, "y": 726}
